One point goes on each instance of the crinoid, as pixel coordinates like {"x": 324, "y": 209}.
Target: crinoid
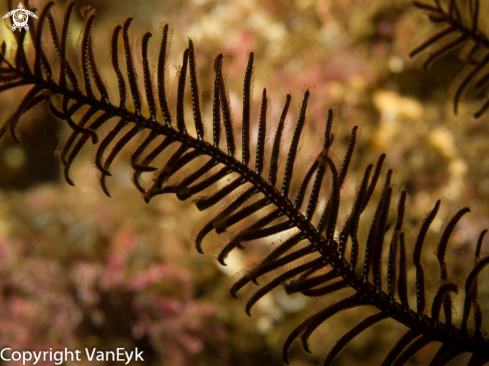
{"x": 462, "y": 29}
{"x": 251, "y": 196}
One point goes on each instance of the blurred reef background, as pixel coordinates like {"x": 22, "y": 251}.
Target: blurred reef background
{"x": 79, "y": 269}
